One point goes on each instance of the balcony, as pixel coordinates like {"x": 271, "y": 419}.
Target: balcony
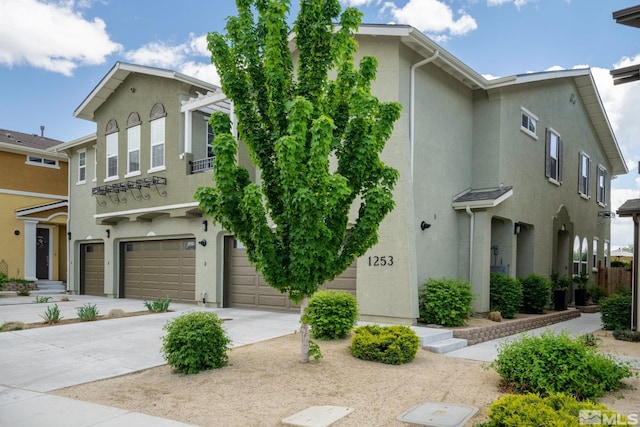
{"x": 201, "y": 165}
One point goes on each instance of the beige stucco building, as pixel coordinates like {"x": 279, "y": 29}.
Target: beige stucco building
{"x": 500, "y": 175}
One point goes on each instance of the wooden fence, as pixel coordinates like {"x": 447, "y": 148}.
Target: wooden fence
{"x": 613, "y": 278}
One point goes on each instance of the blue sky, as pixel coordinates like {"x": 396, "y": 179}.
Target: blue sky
{"x": 54, "y": 52}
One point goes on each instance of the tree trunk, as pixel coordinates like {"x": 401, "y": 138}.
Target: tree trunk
{"x": 304, "y": 332}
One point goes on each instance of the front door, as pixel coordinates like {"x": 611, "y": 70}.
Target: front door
{"x": 42, "y": 253}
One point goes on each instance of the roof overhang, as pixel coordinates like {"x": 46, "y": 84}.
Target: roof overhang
{"x": 78, "y": 142}
{"x": 114, "y": 78}
{"x": 482, "y": 198}
{"x": 629, "y": 208}
{"x": 28, "y": 151}
{"x": 44, "y": 212}
{"x": 626, "y": 74}
{"x": 629, "y": 16}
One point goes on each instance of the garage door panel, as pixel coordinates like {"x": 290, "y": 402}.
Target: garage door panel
{"x": 160, "y": 268}
{"x": 247, "y": 288}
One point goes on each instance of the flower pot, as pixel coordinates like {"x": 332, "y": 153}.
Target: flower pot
{"x": 560, "y": 299}
{"x": 581, "y": 297}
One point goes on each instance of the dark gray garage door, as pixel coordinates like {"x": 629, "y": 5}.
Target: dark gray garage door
{"x": 92, "y": 269}
{"x": 159, "y": 268}
{"x": 247, "y": 289}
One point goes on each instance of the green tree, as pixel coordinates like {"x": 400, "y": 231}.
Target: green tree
{"x": 294, "y": 222}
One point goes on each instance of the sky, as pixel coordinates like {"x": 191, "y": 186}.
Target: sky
{"x": 54, "y": 52}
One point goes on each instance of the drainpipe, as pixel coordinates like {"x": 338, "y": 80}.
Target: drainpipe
{"x": 472, "y": 221}
{"x": 634, "y": 279}
{"x": 413, "y": 101}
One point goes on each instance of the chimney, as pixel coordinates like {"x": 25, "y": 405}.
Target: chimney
{"x": 41, "y": 130}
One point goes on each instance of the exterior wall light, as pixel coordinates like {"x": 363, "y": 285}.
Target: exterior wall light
{"x": 205, "y": 225}
{"x": 424, "y": 225}
{"x": 108, "y": 233}
{"x": 517, "y": 228}
{"x": 203, "y": 242}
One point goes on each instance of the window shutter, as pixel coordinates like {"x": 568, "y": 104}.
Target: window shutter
{"x": 588, "y": 175}
{"x": 560, "y": 149}
{"x": 604, "y": 187}
{"x": 547, "y": 154}
{"x": 581, "y": 183}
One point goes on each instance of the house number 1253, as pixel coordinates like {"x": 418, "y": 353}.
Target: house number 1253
{"x": 381, "y": 261}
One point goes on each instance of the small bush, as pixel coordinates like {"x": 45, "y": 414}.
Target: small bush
{"x": 12, "y": 326}
{"x": 393, "y": 345}
{"x": 195, "y": 342}
{"x": 627, "y": 335}
{"x": 41, "y": 300}
{"x": 331, "y": 314}
{"x": 51, "y": 314}
{"x": 505, "y": 295}
{"x": 555, "y": 410}
{"x": 615, "y": 311}
{"x": 88, "y": 312}
{"x": 596, "y": 293}
{"x": 158, "y": 306}
{"x": 536, "y": 290}
{"x": 445, "y": 302}
{"x": 557, "y": 363}
{"x": 23, "y": 289}
{"x": 619, "y": 263}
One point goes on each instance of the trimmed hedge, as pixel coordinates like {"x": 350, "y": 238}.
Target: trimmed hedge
{"x": 536, "y": 291}
{"x": 393, "y": 345}
{"x": 331, "y": 314}
{"x": 445, "y": 302}
{"x": 195, "y": 342}
{"x": 615, "y": 311}
{"x": 505, "y": 295}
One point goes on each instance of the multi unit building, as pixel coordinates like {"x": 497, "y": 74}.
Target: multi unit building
{"x": 510, "y": 175}
{"x": 33, "y": 207}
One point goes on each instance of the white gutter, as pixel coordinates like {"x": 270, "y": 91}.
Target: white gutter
{"x": 472, "y": 221}
{"x": 413, "y": 101}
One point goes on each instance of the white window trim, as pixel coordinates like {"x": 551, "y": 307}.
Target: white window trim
{"x": 157, "y": 169}
{"x": 594, "y": 255}
{"x": 558, "y": 160}
{"x": 604, "y": 170}
{"x": 129, "y": 151}
{"x": 528, "y": 113}
{"x": 95, "y": 164}
{"x": 164, "y": 149}
{"x": 586, "y": 195}
{"x": 106, "y": 158}
{"x": 41, "y": 163}
{"x": 84, "y": 181}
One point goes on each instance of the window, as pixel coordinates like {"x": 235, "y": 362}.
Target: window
{"x": 528, "y": 123}
{"x": 594, "y": 254}
{"x": 584, "y": 187}
{"x": 576, "y": 256}
{"x": 210, "y": 137}
{"x": 553, "y": 154}
{"x": 157, "y": 118}
{"x": 133, "y": 151}
{"x": 112, "y": 156}
{"x": 82, "y": 167}
{"x": 601, "y": 196}
{"x": 95, "y": 164}
{"x": 605, "y": 254}
{"x": 40, "y": 161}
{"x": 584, "y": 256}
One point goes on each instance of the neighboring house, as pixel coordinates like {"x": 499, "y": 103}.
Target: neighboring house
{"x": 500, "y": 175}
{"x": 629, "y": 16}
{"x": 33, "y": 207}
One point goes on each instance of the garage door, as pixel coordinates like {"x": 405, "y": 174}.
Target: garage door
{"x": 156, "y": 269}
{"x": 92, "y": 269}
{"x": 247, "y": 289}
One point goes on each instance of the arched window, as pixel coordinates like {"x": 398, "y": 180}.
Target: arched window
{"x": 576, "y": 255}
{"x": 157, "y": 118}
{"x": 584, "y": 256}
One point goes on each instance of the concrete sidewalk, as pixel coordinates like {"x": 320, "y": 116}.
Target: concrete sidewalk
{"x": 36, "y": 361}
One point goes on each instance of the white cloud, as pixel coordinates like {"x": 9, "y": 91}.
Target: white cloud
{"x": 188, "y": 58}
{"x": 51, "y": 36}
{"x": 431, "y": 16}
{"x": 517, "y": 3}
{"x": 358, "y": 3}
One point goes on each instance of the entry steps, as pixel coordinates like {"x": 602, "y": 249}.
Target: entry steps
{"x": 50, "y": 287}
{"x": 438, "y": 340}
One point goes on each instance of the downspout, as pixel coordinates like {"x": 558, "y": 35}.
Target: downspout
{"x": 634, "y": 279}
{"x": 413, "y": 101}
{"x": 472, "y": 221}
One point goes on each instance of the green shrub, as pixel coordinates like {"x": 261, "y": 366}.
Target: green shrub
{"x": 331, "y": 314}
{"x": 41, "y": 300}
{"x": 88, "y": 312}
{"x": 195, "y": 342}
{"x": 393, "y": 345}
{"x": 596, "y": 293}
{"x": 615, "y": 311}
{"x": 158, "y": 306}
{"x": 536, "y": 290}
{"x": 505, "y": 295}
{"x": 619, "y": 263}
{"x": 23, "y": 289}
{"x": 445, "y": 302}
{"x": 555, "y": 410}
{"x": 557, "y": 363}
{"x": 627, "y": 335}
{"x": 51, "y": 314}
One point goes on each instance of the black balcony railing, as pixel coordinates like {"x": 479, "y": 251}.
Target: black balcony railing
{"x": 201, "y": 165}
